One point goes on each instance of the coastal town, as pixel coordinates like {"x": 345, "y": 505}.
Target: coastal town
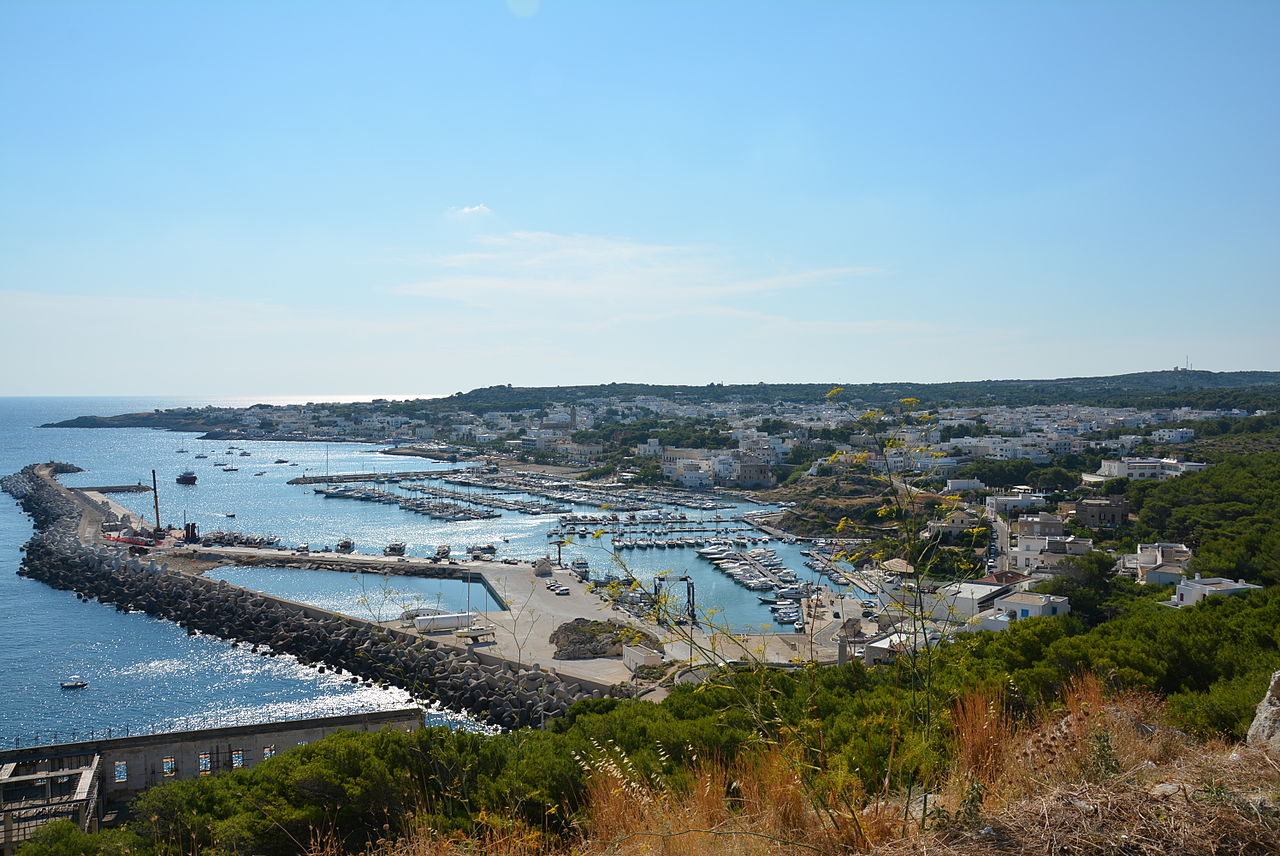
{"x": 754, "y": 443}
{"x": 1011, "y": 498}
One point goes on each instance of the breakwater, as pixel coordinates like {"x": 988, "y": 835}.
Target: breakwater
{"x": 505, "y": 694}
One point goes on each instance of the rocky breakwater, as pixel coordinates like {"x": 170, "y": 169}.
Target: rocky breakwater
{"x": 504, "y": 694}
{"x": 51, "y": 509}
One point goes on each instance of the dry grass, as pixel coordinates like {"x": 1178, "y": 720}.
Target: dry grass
{"x": 1089, "y": 778}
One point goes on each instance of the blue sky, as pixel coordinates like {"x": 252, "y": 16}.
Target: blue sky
{"x": 423, "y": 197}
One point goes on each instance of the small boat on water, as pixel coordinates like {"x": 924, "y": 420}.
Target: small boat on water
{"x": 201, "y": 456}
{"x": 346, "y": 545}
{"x": 281, "y": 461}
{"x": 187, "y": 477}
{"x": 395, "y": 548}
{"x": 75, "y": 682}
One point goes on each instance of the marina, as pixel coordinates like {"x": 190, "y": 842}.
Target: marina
{"x": 438, "y": 510}
{"x": 277, "y": 518}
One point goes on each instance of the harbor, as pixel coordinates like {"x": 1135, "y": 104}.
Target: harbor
{"x": 289, "y": 540}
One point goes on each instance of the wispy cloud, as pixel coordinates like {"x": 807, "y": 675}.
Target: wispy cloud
{"x": 609, "y": 271}
{"x": 471, "y": 210}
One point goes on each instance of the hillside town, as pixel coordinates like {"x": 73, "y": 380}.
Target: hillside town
{"x": 755, "y": 444}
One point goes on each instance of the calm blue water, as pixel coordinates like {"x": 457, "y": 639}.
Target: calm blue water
{"x": 146, "y": 672}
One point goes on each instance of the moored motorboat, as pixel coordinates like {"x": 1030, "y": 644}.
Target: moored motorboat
{"x": 75, "y": 682}
{"x": 187, "y": 477}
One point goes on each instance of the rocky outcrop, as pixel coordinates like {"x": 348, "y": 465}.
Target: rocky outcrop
{"x": 502, "y": 694}
{"x": 1264, "y": 733}
{"x": 584, "y": 639}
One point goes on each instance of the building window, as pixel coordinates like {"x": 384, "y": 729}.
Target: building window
{"x": 268, "y": 751}
{"x": 1024, "y": 613}
{"x": 122, "y": 771}
{"x": 237, "y": 759}
{"x": 204, "y": 763}
{"x": 1054, "y": 610}
{"x": 170, "y": 766}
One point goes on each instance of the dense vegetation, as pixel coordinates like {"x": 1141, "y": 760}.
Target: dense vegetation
{"x": 887, "y": 726}
{"x": 1160, "y": 389}
{"x": 883, "y": 728}
{"x": 1226, "y": 513}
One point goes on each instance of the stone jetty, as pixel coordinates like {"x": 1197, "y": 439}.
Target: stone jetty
{"x": 504, "y": 694}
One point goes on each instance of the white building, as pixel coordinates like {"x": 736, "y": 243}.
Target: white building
{"x": 1021, "y": 604}
{"x": 1142, "y": 468}
{"x": 1046, "y": 552}
{"x": 1193, "y": 591}
{"x": 1157, "y": 564}
{"x": 1173, "y": 435}
{"x": 1017, "y": 501}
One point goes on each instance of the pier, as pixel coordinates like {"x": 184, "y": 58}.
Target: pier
{"x": 439, "y": 509}
{"x": 371, "y": 477}
{"x": 119, "y": 488}
{"x": 487, "y": 500}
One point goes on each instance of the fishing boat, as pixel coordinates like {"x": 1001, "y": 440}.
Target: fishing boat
{"x": 346, "y": 545}
{"x": 187, "y": 477}
{"x": 395, "y": 548}
{"x": 75, "y": 682}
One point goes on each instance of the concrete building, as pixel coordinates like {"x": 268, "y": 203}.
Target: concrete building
{"x": 1191, "y": 592}
{"x": 1159, "y": 564}
{"x": 1014, "y": 501}
{"x": 1142, "y": 468}
{"x": 73, "y": 781}
{"x": 1173, "y": 435}
{"x": 952, "y": 525}
{"x": 1102, "y": 511}
{"x": 1046, "y": 552}
{"x": 1041, "y": 523}
{"x": 1019, "y": 605}
{"x": 962, "y": 601}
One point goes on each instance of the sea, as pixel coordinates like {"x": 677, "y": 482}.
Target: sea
{"x": 148, "y": 675}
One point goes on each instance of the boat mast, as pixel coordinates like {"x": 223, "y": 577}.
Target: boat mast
{"x": 155, "y": 495}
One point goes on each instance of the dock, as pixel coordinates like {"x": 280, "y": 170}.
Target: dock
{"x": 521, "y": 629}
{"x": 119, "y": 488}
{"x": 343, "y": 478}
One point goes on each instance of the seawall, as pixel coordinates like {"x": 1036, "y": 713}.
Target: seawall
{"x": 501, "y": 693}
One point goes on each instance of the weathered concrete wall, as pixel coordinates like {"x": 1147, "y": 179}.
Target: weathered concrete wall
{"x": 502, "y": 694}
{"x": 144, "y": 756}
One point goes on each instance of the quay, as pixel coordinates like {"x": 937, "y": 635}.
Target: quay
{"x": 119, "y": 488}
{"x": 528, "y": 610}
{"x": 371, "y": 477}
{"x": 487, "y": 500}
